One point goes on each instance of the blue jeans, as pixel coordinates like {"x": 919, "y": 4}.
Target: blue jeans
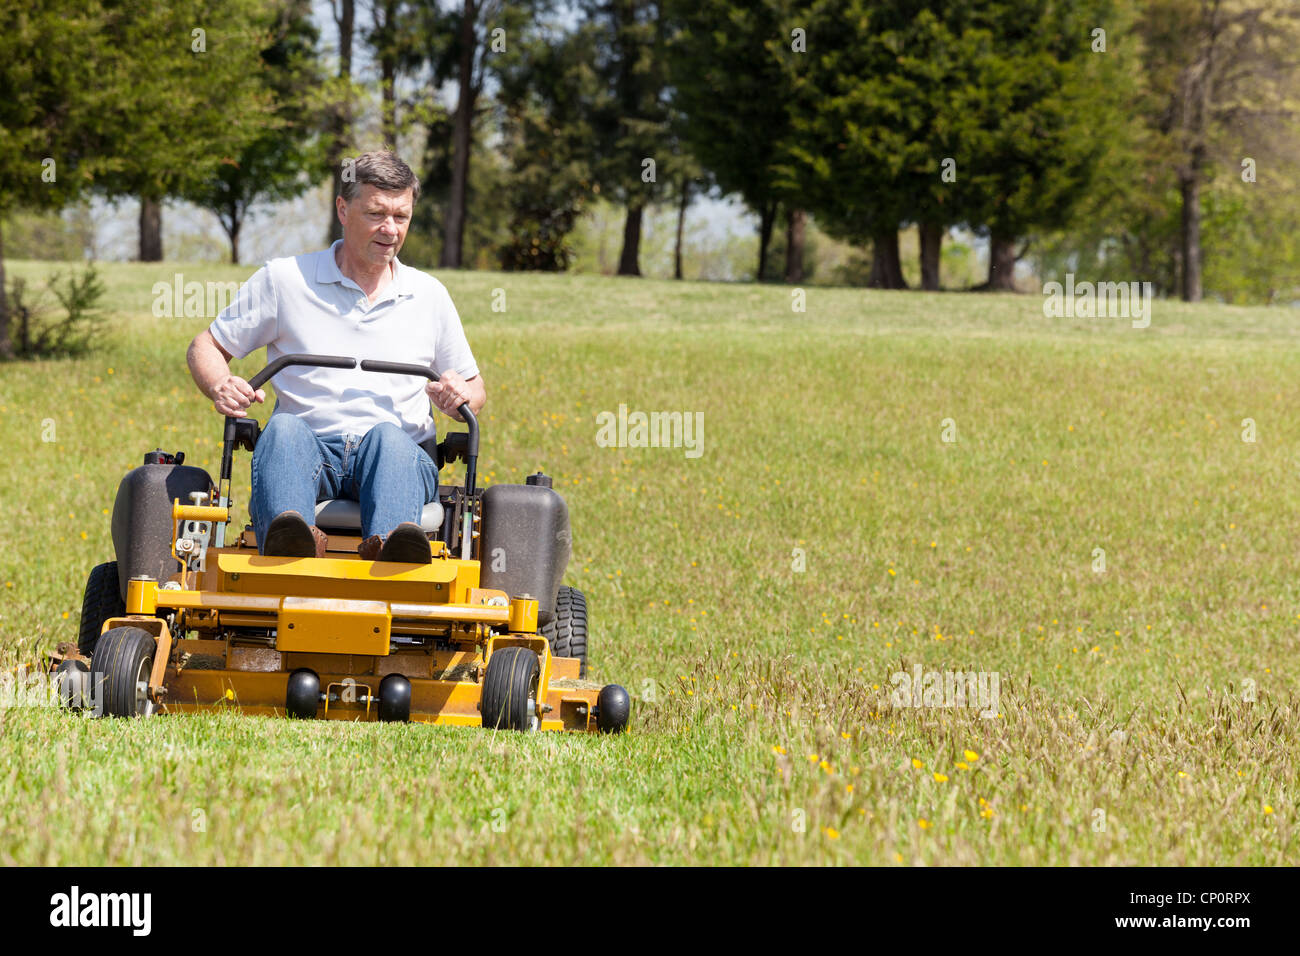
{"x": 385, "y": 470}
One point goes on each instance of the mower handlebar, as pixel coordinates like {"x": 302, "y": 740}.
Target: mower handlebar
{"x": 367, "y": 365}
{"x": 300, "y": 358}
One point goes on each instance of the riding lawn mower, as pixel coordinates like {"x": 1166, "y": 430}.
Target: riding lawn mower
{"x": 190, "y": 617}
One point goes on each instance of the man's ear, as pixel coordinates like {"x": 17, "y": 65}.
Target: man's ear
{"x": 340, "y": 208}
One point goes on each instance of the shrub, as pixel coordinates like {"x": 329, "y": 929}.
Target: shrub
{"x": 41, "y": 329}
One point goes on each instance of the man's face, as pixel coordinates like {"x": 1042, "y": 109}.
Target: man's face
{"x": 375, "y": 223}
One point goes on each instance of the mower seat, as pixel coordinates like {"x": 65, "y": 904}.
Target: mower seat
{"x": 344, "y": 514}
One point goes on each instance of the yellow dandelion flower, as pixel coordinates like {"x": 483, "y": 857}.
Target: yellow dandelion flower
{"x": 898, "y": 858}
{"x": 1267, "y": 808}
{"x": 971, "y": 755}
{"x": 923, "y": 823}
{"x": 940, "y": 778}
{"x": 962, "y": 765}
{"x": 832, "y": 833}
{"x": 917, "y": 764}
{"x": 844, "y": 734}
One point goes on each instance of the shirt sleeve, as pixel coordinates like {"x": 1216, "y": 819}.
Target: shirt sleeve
{"x": 452, "y": 351}
{"x": 249, "y": 322}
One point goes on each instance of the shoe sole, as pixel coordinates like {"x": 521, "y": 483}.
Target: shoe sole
{"x": 289, "y": 538}
{"x": 406, "y": 546}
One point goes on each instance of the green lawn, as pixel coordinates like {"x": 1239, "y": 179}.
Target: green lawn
{"x": 763, "y": 727}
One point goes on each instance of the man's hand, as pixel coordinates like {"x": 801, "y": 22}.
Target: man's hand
{"x": 449, "y": 393}
{"x": 233, "y": 395}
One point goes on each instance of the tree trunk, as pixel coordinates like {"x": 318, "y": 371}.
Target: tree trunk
{"x": 886, "y": 264}
{"x": 6, "y": 347}
{"x": 388, "y": 81}
{"x": 794, "y": 233}
{"x": 931, "y": 244}
{"x": 388, "y": 74}
{"x": 681, "y": 227}
{"x": 766, "y": 219}
{"x": 341, "y": 119}
{"x": 1002, "y": 263}
{"x": 234, "y": 243}
{"x": 628, "y": 264}
{"x": 150, "y": 230}
{"x": 454, "y": 234}
{"x": 1190, "y": 186}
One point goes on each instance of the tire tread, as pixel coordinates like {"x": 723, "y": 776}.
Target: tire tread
{"x": 567, "y": 630}
{"x": 102, "y": 600}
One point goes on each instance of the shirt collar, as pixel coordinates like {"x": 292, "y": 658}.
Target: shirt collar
{"x": 327, "y": 271}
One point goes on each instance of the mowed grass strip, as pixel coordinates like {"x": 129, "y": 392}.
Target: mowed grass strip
{"x": 1098, "y": 534}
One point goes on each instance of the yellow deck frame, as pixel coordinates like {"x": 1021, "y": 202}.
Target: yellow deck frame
{"x": 339, "y": 616}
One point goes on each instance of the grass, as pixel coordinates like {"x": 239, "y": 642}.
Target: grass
{"x": 1147, "y": 711}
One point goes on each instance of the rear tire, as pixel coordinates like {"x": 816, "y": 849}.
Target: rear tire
{"x": 102, "y": 600}
{"x": 509, "y": 699}
{"x": 119, "y": 672}
{"x": 567, "y": 630}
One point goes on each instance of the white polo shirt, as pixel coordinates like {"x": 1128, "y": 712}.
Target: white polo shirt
{"x": 305, "y": 304}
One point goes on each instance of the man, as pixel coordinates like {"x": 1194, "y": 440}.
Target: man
{"x": 345, "y": 433}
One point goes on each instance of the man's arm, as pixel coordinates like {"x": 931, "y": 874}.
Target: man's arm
{"x": 210, "y": 367}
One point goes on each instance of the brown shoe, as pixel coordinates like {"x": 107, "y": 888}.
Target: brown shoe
{"x": 290, "y": 536}
{"x": 408, "y": 544}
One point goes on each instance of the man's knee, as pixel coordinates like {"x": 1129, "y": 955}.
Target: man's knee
{"x": 287, "y": 430}
{"x": 386, "y": 438}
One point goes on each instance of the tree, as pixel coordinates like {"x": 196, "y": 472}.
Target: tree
{"x": 287, "y": 157}
{"x": 630, "y": 124}
{"x": 731, "y": 71}
{"x": 547, "y": 90}
{"x": 338, "y": 136}
{"x": 883, "y": 101}
{"x": 57, "y": 130}
{"x": 1221, "y": 74}
{"x": 197, "y": 97}
{"x": 952, "y": 113}
{"x": 1043, "y": 95}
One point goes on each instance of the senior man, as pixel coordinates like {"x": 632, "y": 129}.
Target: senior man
{"x": 345, "y": 433}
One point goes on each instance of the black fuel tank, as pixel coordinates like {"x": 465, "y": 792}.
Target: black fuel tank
{"x": 142, "y": 518}
{"x": 525, "y": 543}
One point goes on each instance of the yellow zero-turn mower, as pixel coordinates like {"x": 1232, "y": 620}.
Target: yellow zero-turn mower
{"x": 190, "y": 617}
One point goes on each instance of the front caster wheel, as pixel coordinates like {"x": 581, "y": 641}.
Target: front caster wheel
{"x": 613, "y": 706}
{"x": 120, "y": 670}
{"x": 395, "y": 699}
{"x": 509, "y": 699}
{"x": 302, "y": 695}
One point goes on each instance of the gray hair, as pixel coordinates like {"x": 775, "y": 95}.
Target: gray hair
{"x": 382, "y": 169}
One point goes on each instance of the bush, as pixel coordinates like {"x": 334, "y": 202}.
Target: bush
{"x": 39, "y": 329}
